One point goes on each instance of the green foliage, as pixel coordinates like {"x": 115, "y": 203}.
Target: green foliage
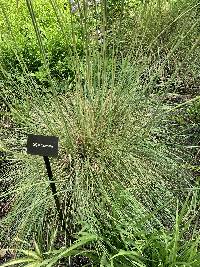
{"x": 169, "y": 34}
{"x": 118, "y": 174}
{"x": 109, "y": 157}
{"x": 193, "y": 112}
{"x": 186, "y": 121}
{"x": 51, "y": 258}
{"x": 19, "y": 48}
{"x": 177, "y": 246}
{"x": 155, "y": 23}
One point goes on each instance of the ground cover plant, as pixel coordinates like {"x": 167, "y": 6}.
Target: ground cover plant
{"x": 124, "y": 169}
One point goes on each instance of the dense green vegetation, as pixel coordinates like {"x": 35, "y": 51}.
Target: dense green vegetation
{"x": 118, "y": 83}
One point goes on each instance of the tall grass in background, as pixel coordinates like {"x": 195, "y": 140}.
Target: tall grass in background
{"x": 116, "y": 176}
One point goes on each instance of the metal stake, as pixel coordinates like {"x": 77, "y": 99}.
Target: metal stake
{"x": 54, "y": 191}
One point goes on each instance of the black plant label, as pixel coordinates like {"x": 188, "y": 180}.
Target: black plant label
{"x": 42, "y": 145}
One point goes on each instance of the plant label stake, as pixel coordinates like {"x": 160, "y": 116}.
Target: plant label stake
{"x": 46, "y": 146}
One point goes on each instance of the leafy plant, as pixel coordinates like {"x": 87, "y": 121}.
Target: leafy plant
{"x": 51, "y": 258}
{"x": 161, "y": 247}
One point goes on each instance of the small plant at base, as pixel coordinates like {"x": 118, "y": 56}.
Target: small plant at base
{"x": 37, "y": 258}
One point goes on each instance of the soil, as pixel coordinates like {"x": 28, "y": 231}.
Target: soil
{"x": 5, "y": 255}
{"x": 76, "y": 261}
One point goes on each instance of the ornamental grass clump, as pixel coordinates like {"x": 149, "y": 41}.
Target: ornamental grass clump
{"x": 111, "y": 168}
